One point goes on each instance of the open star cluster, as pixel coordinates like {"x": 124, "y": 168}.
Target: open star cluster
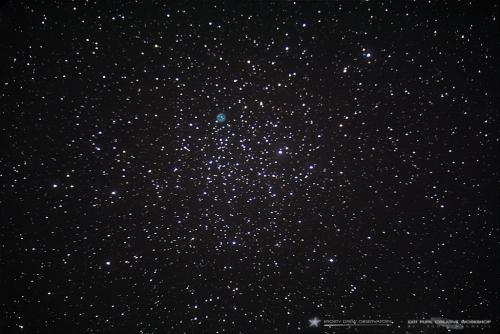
{"x": 217, "y": 167}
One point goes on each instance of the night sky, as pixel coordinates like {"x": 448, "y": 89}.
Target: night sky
{"x": 245, "y": 168}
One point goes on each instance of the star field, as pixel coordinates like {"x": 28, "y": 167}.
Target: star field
{"x": 247, "y": 168}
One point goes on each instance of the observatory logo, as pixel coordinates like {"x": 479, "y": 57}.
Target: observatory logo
{"x": 314, "y": 322}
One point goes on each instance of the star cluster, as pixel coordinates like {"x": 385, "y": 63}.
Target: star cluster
{"x": 353, "y": 172}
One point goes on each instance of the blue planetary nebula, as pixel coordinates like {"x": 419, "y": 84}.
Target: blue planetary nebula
{"x": 221, "y": 117}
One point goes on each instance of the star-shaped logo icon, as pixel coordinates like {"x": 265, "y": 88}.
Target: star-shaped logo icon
{"x": 314, "y": 322}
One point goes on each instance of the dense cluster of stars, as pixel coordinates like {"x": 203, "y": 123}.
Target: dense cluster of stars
{"x": 252, "y": 168}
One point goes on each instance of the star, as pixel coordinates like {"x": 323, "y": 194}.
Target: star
{"x": 314, "y": 322}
